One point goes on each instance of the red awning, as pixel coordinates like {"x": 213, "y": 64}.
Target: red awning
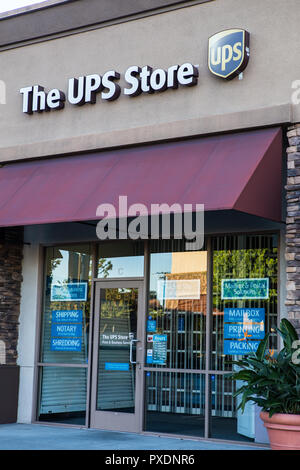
{"x": 240, "y": 171}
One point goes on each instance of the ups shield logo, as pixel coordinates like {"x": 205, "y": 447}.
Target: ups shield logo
{"x": 228, "y": 53}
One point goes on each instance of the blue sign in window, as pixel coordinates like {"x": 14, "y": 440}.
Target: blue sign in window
{"x": 242, "y": 328}
{"x": 240, "y": 314}
{"x": 250, "y": 288}
{"x": 74, "y": 291}
{"x": 65, "y": 344}
{"x": 74, "y": 316}
{"x": 66, "y": 330}
{"x": 159, "y": 349}
{"x": 181, "y": 324}
{"x": 119, "y": 366}
{"x": 151, "y": 326}
{"x": 236, "y": 347}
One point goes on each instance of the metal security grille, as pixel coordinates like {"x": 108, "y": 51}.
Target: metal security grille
{"x": 251, "y": 256}
{"x": 185, "y": 331}
{"x": 176, "y": 392}
{"x": 63, "y": 390}
{"x": 192, "y": 380}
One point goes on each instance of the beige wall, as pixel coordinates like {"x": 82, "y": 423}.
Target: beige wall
{"x": 263, "y": 97}
{"x": 189, "y": 262}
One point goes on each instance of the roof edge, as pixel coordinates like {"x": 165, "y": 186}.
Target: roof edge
{"x": 30, "y": 8}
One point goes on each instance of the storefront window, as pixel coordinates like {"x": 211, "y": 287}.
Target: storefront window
{"x": 65, "y": 333}
{"x": 175, "y": 403}
{"x": 244, "y": 284}
{"x": 176, "y": 324}
{"x": 188, "y": 350}
{"x": 180, "y": 379}
{"x": 244, "y": 309}
{"x": 177, "y": 306}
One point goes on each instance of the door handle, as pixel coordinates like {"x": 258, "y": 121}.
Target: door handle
{"x": 130, "y": 350}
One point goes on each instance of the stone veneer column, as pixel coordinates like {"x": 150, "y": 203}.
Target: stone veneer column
{"x": 11, "y": 253}
{"x": 293, "y": 226}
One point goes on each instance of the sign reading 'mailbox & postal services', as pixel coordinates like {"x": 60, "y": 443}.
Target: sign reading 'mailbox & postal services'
{"x": 228, "y": 55}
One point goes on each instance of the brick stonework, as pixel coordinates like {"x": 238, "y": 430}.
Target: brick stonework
{"x": 292, "y": 254}
{"x": 11, "y": 253}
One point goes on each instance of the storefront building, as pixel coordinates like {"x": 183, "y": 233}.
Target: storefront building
{"x": 185, "y": 104}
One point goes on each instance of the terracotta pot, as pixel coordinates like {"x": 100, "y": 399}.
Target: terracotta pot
{"x": 283, "y": 430}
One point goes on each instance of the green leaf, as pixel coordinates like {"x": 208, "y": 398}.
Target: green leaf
{"x": 288, "y": 327}
{"x": 261, "y": 350}
{"x": 274, "y": 384}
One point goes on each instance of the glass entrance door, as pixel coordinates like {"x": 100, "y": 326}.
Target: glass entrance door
{"x": 116, "y": 401}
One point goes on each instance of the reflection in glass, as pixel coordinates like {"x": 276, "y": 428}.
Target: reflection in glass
{"x": 176, "y": 322}
{"x": 120, "y": 259}
{"x": 177, "y": 306}
{"x": 66, "y": 320}
{"x": 65, "y": 333}
{"x": 242, "y": 257}
{"x": 239, "y": 257}
{"x": 118, "y": 326}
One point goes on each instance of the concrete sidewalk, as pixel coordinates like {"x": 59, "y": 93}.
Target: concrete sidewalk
{"x": 43, "y": 437}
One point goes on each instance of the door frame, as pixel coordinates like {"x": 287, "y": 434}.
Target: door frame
{"x": 110, "y": 420}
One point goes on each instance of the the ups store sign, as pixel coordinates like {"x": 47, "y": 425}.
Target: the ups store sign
{"x": 228, "y": 55}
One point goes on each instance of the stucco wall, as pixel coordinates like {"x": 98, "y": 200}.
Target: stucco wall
{"x": 263, "y": 97}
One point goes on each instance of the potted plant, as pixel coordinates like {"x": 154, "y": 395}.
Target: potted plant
{"x": 272, "y": 381}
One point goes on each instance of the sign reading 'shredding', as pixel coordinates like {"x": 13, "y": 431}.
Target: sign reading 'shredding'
{"x": 228, "y": 54}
